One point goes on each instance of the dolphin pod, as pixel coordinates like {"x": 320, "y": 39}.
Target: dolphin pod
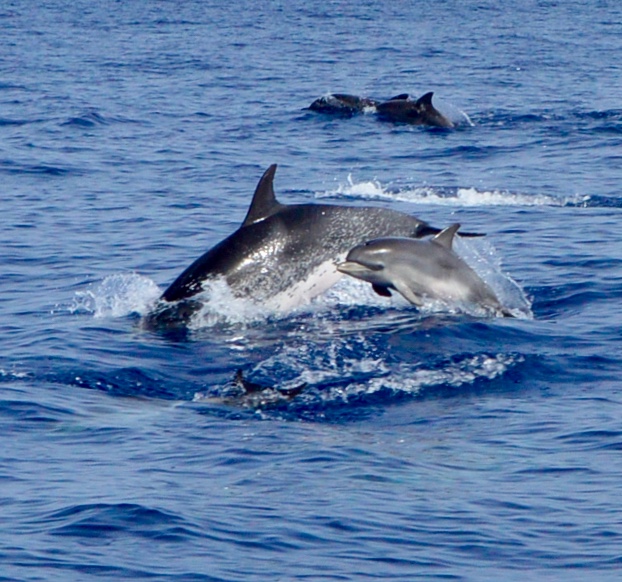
{"x": 420, "y": 269}
{"x": 282, "y": 255}
{"x": 398, "y": 109}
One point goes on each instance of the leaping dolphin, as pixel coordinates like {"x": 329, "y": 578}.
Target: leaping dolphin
{"x": 282, "y": 255}
{"x": 419, "y": 112}
{"x": 421, "y": 269}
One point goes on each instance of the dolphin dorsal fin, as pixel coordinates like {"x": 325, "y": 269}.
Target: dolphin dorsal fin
{"x": 400, "y": 97}
{"x": 445, "y": 238}
{"x": 264, "y": 201}
{"x": 425, "y": 101}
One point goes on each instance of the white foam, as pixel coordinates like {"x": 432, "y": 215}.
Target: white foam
{"x": 373, "y": 189}
{"x": 220, "y": 305}
{"x": 342, "y": 358}
{"x": 413, "y": 381}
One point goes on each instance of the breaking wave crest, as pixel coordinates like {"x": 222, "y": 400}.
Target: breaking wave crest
{"x": 374, "y": 190}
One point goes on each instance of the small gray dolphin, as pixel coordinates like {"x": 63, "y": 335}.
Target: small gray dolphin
{"x": 419, "y": 112}
{"x": 421, "y": 268}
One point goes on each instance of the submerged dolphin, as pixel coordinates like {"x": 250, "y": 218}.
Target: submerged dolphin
{"x": 347, "y": 105}
{"x": 419, "y": 112}
{"x": 282, "y": 255}
{"x": 419, "y": 269}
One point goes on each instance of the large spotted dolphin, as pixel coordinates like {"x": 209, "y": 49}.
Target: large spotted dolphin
{"x": 282, "y": 255}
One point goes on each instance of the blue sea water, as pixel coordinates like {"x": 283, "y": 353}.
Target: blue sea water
{"x": 427, "y": 445}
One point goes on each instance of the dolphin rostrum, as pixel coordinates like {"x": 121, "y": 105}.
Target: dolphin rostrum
{"x": 282, "y": 255}
{"x": 419, "y": 112}
{"x": 419, "y": 269}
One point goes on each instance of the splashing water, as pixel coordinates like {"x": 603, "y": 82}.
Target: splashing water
{"x": 118, "y": 295}
{"x": 469, "y": 197}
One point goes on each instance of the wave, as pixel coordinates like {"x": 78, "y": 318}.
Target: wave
{"x": 350, "y": 378}
{"x": 12, "y": 167}
{"x": 92, "y": 118}
{"x": 106, "y": 520}
{"x": 374, "y": 190}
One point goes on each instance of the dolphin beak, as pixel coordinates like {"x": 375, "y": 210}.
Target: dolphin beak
{"x": 349, "y": 267}
{"x": 353, "y": 268}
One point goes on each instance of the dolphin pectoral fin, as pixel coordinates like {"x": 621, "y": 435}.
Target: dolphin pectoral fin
{"x": 445, "y": 238}
{"x": 381, "y": 290}
{"x": 264, "y": 201}
{"x": 408, "y": 293}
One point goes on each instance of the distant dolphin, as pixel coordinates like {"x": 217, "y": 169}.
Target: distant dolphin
{"x": 282, "y": 255}
{"x": 347, "y": 105}
{"x": 342, "y": 104}
{"x": 419, "y": 269}
{"x": 419, "y": 112}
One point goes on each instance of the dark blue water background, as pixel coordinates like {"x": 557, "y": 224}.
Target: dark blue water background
{"x": 427, "y": 445}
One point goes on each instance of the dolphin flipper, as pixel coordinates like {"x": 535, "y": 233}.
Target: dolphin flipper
{"x": 381, "y": 290}
{"x": 408, "y": 293}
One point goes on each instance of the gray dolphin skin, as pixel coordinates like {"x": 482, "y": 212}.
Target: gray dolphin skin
{"x": 419, "y": 269}
{"x": 419, "y": 112}
{"x": 347, "y": 105}
{"x": 341, "y": 104}
{"x": 282, "y": 255}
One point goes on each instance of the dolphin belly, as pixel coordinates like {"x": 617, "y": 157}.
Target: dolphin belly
{"x": 318, "y": 280}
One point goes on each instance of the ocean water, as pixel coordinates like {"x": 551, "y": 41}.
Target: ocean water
{"x": 427, "y": 444}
